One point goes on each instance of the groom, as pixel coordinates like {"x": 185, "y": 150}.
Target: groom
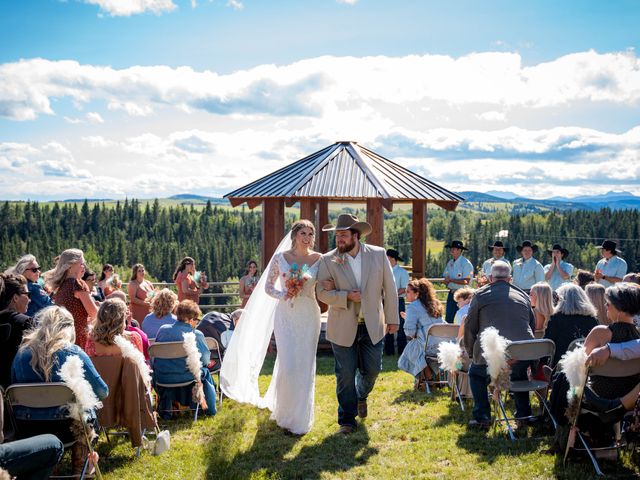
{"x": 353, "y": 279}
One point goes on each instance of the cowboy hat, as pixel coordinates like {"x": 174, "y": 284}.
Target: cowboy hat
{"x": 346, "y": 221}
{"x": 499, "y": 244}
{"x": 456, "y": 244}
{"x": 394, "y": 254}
{"x": 527, "y": 243}
{"x": 609, "y": 245}
{"x": 556, "y": 246}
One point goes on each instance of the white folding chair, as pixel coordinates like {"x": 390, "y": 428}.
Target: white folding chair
{"x": 612, "y": 368}
{"x": 47, "y": 395}
{"x": 216, "y": 355}
{"x": 444, "y": 332}
{"x": 526, "y": 350}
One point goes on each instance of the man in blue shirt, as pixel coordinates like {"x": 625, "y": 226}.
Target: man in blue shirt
{"x": 497, "y": 251}
{"x": 527, "y": 271}
{"x": 457, "y": 274}
{"x": 558, "y": 271}
{"x": 611, "y": 268}
{"x": 401, "y": 278}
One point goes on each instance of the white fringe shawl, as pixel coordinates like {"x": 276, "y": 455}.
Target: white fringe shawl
{"x": 193, "y": 364}
{"x": 450, "y": 356}
{"x": 572, "y": 364}
{"x": 131, "y": 352}
{"x": 494, "y": 351}
{"x": 72, "y": 374}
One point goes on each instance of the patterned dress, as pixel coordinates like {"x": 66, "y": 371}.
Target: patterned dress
{"x": 65, "y": 297}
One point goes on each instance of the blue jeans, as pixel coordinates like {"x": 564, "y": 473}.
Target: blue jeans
{"x": 452, "y": 308}
{"x": 33, "y": 458}
{"x": 478, "y": 381}
{"x": 182, "y": 395}
{"x": 401, "y": 338}
{"x": 357, "y": 368}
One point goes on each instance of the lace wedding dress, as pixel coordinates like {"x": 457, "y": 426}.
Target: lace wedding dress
{"x": 296, "y": 324}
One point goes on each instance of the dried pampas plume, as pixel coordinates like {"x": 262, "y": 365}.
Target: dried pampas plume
{"x": 131, "y": 352}
{"x": 572, "y": 364}
{"x": 193, "y": 364}
{"x": 449, "y": 356}
{"x": 494, "y": 351}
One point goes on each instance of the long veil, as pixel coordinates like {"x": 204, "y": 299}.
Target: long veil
{"x": 247, "y": 349}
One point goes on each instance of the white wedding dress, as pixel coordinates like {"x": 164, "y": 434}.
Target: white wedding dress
{"x": 296, "y": 324}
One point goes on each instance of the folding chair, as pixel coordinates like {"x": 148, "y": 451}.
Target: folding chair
{"x": 171, "y": 351}
{"x": 47, "y": 395}
{"x": 538, "y": 334}
{"x": 444, "y": 332}
{"x": 526, "y": 350}
{"x": 612, "y": 368}
{"x": 216, "y": 355}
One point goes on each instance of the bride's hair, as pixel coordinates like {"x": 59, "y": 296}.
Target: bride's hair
{"x": 299, "y": 225}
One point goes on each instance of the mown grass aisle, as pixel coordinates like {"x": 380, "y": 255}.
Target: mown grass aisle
{"x": 407, "y": 435}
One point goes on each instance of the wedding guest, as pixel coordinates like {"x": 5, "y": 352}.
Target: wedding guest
{"x": 632, "y": 278}
{"x": 14, "y": 300}
{"x": 457, "y": 274}
{"x": 584, "y": 278}
{"x": 109, "y": 323}
{"x": 497, "y": 251}
{"x": 558, "y": 272}
{"x": 108, "y": 281}
{"x": 163, "y": 304}
{"x": 29, "y": 268}
{"x": 611, "y": 268}
{"x": 527, "y": 270}
{"x": 248, "y": 282}
{"x": 401, "y": 277}
{"x": 596, "y": 294}
{"x": 70, "y": 291}
{"x": 220, "y": 325}
{"x": 176, "y": 370}
{"x": 190, "y": 284}
{"x": 31, "y": 458}
{"x": 90, "y": 279}
{"x": 40, "y": 358}
{"x": 139, "y": 290}
{"x": 541, "y": 298}
{"x": 463, "y": 298}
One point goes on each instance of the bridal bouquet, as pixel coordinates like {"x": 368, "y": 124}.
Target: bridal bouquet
{"x": 298, "y": 276}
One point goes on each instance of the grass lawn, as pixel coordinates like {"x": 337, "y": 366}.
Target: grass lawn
{"x": 407, "y": 435}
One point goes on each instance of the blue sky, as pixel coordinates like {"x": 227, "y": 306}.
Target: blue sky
{"x": 154, "y": 97}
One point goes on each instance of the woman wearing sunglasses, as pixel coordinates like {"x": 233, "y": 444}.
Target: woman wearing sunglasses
{"x": 30, "y": 269}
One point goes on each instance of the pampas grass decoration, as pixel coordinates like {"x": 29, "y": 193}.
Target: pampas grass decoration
{"x": 193, "y": 364}
{"x": 130, "y": 351}
{"x": 449, "y": 356}
{"x": 494, "y": 351}
{"x": 572, "y": 364}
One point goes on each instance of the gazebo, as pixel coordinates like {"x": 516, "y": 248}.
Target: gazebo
{"x": 344, "y": 172}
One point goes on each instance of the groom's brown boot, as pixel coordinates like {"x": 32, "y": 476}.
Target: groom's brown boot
{"x": 362, "y": 409}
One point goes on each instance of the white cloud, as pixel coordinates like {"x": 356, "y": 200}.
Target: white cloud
{"x": 126, "y": 8}
{"x": 94, "y": 117}
{"x": 492, "y": 116}
{"x": 348, "y": 2}
{"x": 235, "y": 4}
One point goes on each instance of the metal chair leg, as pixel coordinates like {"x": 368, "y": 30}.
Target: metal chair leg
{"x": 506, "y": 419}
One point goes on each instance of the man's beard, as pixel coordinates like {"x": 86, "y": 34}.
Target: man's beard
{"x": 348, "y": 247}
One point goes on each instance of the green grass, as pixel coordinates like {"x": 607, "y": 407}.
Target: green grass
{"x": 407, "y": 435}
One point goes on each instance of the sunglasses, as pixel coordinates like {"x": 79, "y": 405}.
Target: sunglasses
{"x": 34, "y": 269}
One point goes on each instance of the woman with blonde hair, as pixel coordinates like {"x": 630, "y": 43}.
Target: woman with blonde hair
{"x": 43, "y": 352}
{"x": 162, "y": 306}
{"x": 110, "y": 322}
{"x": 139, "y": 290}
{"x": 541, "y": 297}
{"x": 28, "y": 267}
{"x": 596, "y": 293}
{"x": 71, "y": 292}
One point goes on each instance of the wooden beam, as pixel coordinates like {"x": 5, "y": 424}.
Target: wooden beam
{"x": 272, "y": 227}
{"x": 322, "y": 238}
{"x": 375, "y": 217}
{"x": 308, "y": 210}
{"x": 419, "y": 243}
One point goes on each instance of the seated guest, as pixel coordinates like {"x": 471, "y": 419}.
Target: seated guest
{"x": 90, "y": 279}
{"x": 595, "y": 292}
{"x": 423, "y": 310}
{"x": 29, "y": 268}
{"x": 584, "y": 278}
{"x": 42, "y": 354}
{"x": 14, "y": 300}
{"x": 541, "y": 298}
{"x": 176, "y": 370}
{"x": 463, "y": 299}
{"x": 558, "y": 272}
{"x": 32, "y": 458}
{"x": 215, "y": 324}
{"x": 109, "y": 323}
{"x": 508, "y": 309}
{"x": 130, "y": 327}
{"x": 162, "y": 305}
{"x": 632, "y": 278}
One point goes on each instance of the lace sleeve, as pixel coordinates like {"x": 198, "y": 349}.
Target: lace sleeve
{"x": 270, "y": 285}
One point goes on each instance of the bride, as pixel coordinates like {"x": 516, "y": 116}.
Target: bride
{"x": 292, "y": 313}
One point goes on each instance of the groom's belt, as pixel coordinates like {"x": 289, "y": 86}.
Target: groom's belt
{"x": 359, "y": 312}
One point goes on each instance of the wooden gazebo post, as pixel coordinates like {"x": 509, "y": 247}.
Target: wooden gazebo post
{"x": 272, "y": 227}
{"x": 419, "y": 236}
{"x": 375, "y": 217}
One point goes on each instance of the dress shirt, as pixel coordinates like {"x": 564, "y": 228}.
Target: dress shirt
{"x": 614, "y": 267}
{"x": 486, "y": 266}
{"x": 556, "y": 279}
{"x": 459, "y": 270}
{"x": 527, "y": 274}
{"x": 356, "y": 265}
{"x": 401, "y": 278}
{"x": 626, "y": 350}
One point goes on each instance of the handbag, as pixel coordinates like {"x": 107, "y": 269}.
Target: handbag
{"x": 161, "y": 444}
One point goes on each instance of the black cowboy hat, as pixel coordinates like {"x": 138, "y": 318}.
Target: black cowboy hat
{"x": 394, "y": 254}
{"x": 527, "y": 243}
{"x": 497, "y": 243}
{"x": 456, "y": 244}
{"x": 610, "y": 245}
{"x": 347, "y": 221}
{"x": 556, "y": 246}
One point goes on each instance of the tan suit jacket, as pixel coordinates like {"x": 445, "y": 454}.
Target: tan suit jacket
{"x": 377, "y": 284}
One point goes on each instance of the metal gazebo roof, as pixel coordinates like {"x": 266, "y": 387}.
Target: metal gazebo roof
{"x": 345, "y": 171}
